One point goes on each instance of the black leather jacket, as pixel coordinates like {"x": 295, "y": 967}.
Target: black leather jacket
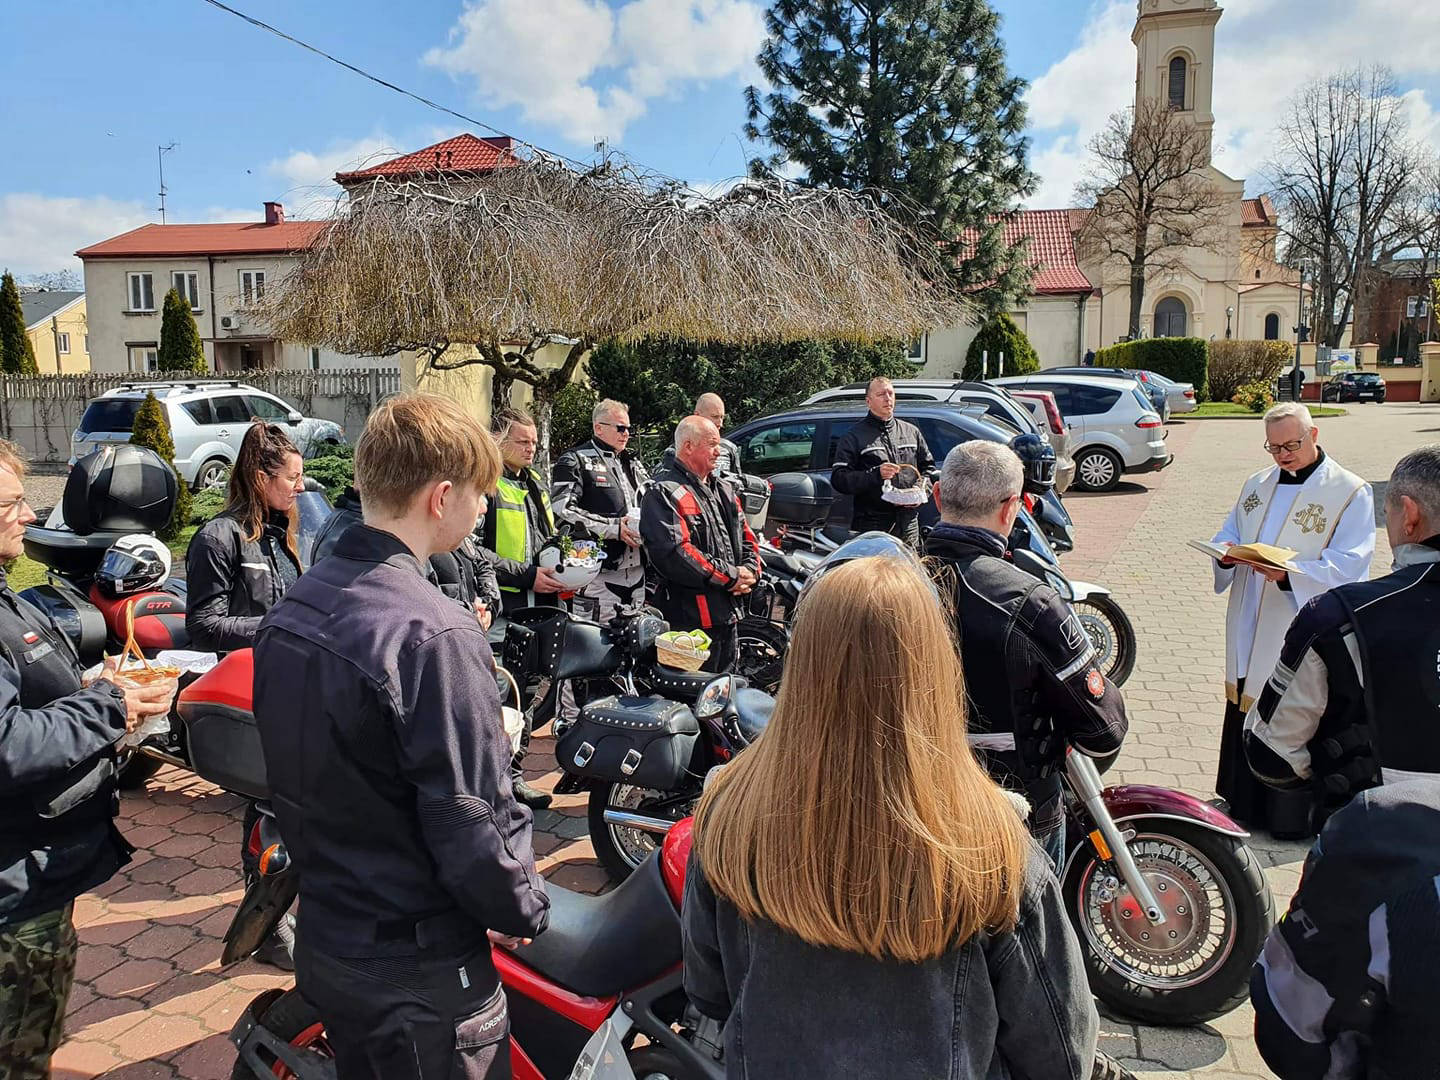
{"x": 57, "y": 768}
{"x": 233, "y": 581}
{"x": 1030, "y": 674}
{"x": 389, "y": 768}
{"x": 862, "y": 450}
{"x": 592, "y": 488}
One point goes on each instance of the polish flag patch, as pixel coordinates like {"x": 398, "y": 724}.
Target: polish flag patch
{"x": 31, "y": 638}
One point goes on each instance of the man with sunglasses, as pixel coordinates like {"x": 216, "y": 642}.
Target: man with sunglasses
{"x": 595, "y": 489}
{"x": 1307, "y": 503}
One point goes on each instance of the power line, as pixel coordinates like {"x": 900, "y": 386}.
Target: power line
{"x": 392, "y": 86}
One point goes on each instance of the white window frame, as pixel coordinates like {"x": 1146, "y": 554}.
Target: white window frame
{"x": 187, "y": 284}
{"x": 149, "y": 358}
{"x": 136, "y": 277}
{"x": 62, "y": 343}
{"x": 917, "y": 355}
{"x": 252, "y": 286}
{"x": 314, "y": 358}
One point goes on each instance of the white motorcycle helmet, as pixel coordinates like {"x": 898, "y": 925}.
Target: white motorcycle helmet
{"x": 133, "y": 564}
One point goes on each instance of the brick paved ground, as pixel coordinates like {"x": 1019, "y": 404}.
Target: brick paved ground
{"x": 149, "y": 1001}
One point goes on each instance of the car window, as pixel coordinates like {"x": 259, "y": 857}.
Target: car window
{"x": 230, "y": 409}
{"x": 1062, "y": 396}
{"x": 1089, "y": 400}
{"x": 266, "y": 409}
{"x": 940, "y": 437}
{"x": 199, "y": 410}
{"x": 1146, "y": 401}
{"x": 779, "y": 448}
{"x": 110, "y": 414}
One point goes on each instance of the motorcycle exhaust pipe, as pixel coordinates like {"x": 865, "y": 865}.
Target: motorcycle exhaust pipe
{"x": 161, "y": 755}
{"x": 1086, "y": 780}
{"x": 644, "y": 822}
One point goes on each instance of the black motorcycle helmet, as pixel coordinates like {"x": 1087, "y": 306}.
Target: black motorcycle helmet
{"x": 1038, "y": 457}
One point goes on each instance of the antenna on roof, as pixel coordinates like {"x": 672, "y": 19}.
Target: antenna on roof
{"x": 160, "y": 156}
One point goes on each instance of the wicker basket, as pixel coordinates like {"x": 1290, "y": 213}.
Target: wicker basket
{"x": 674, "y": 650}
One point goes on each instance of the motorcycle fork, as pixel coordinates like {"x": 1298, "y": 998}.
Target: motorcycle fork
{"x": 1085, "y": 779}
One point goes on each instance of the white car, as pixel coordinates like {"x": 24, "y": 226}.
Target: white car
{"x": 1114, "y": 426}
{"x": 207, "y": 421}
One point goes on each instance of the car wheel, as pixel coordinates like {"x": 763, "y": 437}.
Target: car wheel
{"x": 212, "y": 474}
{"x": 1097, "y": 469}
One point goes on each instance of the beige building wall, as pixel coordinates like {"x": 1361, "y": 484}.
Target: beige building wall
{"x": 45, "y": 337}
{"x": 471, "y": 385}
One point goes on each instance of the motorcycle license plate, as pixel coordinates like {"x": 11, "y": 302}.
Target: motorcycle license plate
{"x": 603, "y": 1057}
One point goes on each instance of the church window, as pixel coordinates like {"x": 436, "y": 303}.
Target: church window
{"x": 1170, "y": 317}
{"x": 1272, "y": 327}
{"x": 1177, "y": 82}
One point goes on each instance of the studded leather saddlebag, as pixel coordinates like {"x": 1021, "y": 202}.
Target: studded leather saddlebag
{"x": 645, "y": 741}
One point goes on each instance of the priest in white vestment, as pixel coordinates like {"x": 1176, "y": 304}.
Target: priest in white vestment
{"x": 1307, "y": 502}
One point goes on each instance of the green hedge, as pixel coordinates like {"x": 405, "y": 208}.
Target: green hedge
{"x": 1181, "y": 359}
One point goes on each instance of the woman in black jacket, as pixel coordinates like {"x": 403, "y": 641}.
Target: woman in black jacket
{"x": 237, "y": 566}
{"x": 245, "y": 558}
{"x": 889, "y": 917}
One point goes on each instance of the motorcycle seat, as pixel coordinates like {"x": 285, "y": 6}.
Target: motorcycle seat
{"x": 786, "y": 563}
{"x": 600, "y": 946}
{"x": 681, "y": 685}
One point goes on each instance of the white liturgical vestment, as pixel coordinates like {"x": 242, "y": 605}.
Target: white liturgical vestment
{"x": 1329, "y": 520}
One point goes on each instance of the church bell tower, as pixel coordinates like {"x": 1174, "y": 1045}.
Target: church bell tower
{"x": 1175, "y": 51}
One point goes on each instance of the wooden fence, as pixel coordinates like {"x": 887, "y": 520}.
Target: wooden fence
{"x": 39, "y": 412}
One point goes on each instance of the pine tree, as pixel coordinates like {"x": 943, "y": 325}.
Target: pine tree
{"x": 911, "y": 99}
{"x": 17, "y": 354}
{"x": 1000, "y": 337}
{"x": 180, "y": 348}
{"x": 152, "y": 429}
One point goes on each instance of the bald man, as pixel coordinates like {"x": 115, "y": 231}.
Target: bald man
{"x": 712, "y": 408}
{"x": 699, "y": 542}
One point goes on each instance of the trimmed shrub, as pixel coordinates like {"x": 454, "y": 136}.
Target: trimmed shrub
{"x": 1236, "y": 363}
{"x": 206, "y": 503}
{"x": 334, "y": 469}
{"x": 17, "y": 354}
{"x": 180, "y": 348}
{"x": 152, "y": 429}
{"x": 1255, "y": 396}
{"x": 1181, "y": 359}
{"x": 1000, "y": 335}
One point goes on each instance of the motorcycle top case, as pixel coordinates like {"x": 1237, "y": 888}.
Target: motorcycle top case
{"x": 645, "y": 741}
{"x": 220, "y": 727}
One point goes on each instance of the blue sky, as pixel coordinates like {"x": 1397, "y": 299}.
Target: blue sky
{"x": 92, "y": 87}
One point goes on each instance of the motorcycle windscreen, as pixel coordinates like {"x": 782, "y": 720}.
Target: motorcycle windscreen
{"x": 870, "y": 545}
{"x": 314, "y": 510}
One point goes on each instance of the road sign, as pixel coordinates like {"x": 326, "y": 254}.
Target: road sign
{"x": 1411, "y": 303}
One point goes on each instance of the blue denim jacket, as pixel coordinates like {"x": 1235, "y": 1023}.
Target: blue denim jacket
{"x": 1007, "y": 1006}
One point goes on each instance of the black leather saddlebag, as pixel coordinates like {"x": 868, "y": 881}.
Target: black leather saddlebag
{"x": 645, "y": 741}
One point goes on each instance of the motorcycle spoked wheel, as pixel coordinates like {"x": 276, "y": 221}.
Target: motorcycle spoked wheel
{"x": 761, "y": 654}
{"x": 621, "y": 849}
{"x": 1112, "y": 634}
{"x": 291, "y": 1018}
{"x": 1196, "y": 965}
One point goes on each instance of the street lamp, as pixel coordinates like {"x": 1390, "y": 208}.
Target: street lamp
{"x": 1229, "y": 312}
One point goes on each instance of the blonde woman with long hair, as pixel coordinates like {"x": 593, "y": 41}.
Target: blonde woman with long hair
{"x": 864, "y": 901}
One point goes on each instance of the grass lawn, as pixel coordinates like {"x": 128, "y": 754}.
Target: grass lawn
{"x": 25, "y": 571}
{"x": 1229, "y": 408}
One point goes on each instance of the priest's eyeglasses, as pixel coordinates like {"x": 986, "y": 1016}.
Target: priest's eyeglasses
{"x": 1283, "y": 447}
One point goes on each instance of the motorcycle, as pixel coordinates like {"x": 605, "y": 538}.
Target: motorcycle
{"x": 607, "y": 970}
{"x": 764, "y": 631}
{"x": 637, "y": 745}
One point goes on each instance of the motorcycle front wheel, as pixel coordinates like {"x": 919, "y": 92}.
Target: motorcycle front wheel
{"x": 1112, "y": 634}
{"x": 1196, "y": 964}
{"x": 761, "y": 654}
{"x": 621, "y": 848}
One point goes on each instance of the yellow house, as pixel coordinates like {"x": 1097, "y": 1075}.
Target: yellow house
{"x": 58, "y": 331}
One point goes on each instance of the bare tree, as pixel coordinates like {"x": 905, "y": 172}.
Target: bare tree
{"x": 1343, "y": 162}
{"x": 54, "y": 281}
{"x": 1151, "y": 196}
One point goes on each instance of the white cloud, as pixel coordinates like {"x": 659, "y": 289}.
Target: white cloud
{"x": 311, "y": 168}
{"x": 1265, "y": 50}
{"x": 39, "y": 233}
{"x": 586, "y": 69}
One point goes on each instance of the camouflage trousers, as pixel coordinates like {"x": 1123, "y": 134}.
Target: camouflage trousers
{"x": 37, "y": 966}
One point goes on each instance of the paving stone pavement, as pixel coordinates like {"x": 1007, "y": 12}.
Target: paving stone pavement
{"x": 151, "y": 1002}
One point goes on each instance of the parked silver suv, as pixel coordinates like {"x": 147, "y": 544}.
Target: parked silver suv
{"x": 207, "y": 421}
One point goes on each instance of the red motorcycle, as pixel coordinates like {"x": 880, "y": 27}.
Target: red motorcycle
{"x": 607, "y": 970}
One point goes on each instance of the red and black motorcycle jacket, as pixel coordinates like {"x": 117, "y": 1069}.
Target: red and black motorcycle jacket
{"x": 697, "y": 539}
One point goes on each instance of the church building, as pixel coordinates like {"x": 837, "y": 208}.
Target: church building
{"x": 1232, "y": 289}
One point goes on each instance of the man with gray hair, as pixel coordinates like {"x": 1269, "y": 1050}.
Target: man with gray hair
{"x": 1354, "y": 701}
{"x": 1030, "y": 673}
{"x": 595, "y": 490}
{"x": 1307, "y": 504}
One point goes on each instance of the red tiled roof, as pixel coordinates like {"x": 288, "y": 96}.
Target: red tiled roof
{"x": 237, "y": 238}
{"x": 462, "y": 154}
{"x": 1052, "y": 247}
{"x": 1259, "y": 211}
